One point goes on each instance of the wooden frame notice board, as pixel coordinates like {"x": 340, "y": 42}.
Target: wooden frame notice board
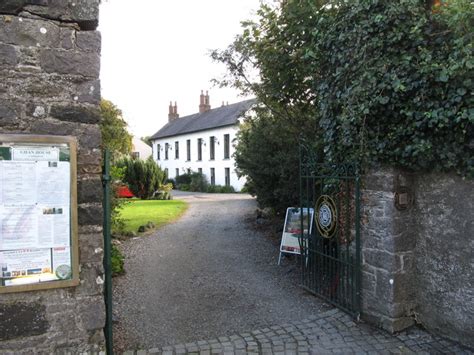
{"x": 38, "y": 212}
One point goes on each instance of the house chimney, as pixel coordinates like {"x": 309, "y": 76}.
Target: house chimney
{"x": 175, "y": 110}
{"x": 204, "y": 105}
{"x": 172, "y": 111}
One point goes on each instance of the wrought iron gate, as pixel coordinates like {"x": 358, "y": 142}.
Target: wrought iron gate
{"x": 331, "y": 261}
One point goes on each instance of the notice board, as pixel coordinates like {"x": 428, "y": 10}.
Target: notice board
{"x": 38, "y": 212}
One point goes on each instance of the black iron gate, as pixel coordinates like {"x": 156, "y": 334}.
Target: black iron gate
{"x": 331, "y": 261}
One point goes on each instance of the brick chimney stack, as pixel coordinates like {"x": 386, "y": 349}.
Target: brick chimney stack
{"x": 204, "y": 105}
{"x": 173, "y": 111}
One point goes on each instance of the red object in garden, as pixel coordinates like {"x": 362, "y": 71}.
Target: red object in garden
{"x": 124, "y": 192}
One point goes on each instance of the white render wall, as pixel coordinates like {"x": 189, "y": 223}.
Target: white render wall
{"x": 141, "y": 147}
{"x": 219, "y": 163}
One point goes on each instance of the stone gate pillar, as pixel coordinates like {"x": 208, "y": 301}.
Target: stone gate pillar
{"x": 49, "y": 84}
{"x": 388, "y": 236}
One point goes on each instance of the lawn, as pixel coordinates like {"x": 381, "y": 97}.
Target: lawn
{"x": 139, "y": 212}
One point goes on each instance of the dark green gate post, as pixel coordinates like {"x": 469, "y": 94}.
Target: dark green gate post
{"x": 107, "y": 255}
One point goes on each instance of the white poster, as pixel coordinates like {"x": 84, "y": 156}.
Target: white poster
{"x": 295, "y": 227}
{"x": 19, "y": 227}
{"x": 19, "y": 183}
{"x": 30, "y": 265}
{"x": 53, "y": 226}
{"x": 53, "y": 182}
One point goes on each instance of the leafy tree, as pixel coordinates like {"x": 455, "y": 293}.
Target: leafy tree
{"x": 115, "y": 136}
{"x": 147, "y": 140}
{"x": 268, "y": 156}
{"x": 373, "y": 81}
{"x": 118, "y": 141}
{"x": 143, "y": 177}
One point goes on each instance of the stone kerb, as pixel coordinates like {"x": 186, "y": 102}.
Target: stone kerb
{"x": 49, "y": 70}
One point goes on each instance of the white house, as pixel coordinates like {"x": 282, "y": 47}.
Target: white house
{"x": 140, "y": 149}
{"x": 202, "y": 142}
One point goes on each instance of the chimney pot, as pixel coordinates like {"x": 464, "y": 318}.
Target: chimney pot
{"x": 204, "y": 102}
{"x": 173, "y": 111}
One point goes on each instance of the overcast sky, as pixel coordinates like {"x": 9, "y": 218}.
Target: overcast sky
{"x": 154, "y": 51}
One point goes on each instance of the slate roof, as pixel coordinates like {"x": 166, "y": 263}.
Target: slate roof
{"x": 218, "y": 117}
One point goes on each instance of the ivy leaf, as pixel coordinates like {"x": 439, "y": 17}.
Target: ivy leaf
{"x": 384, "y": 100}
{"x": 461, "y": 91}
{"x": 443, "y": 77}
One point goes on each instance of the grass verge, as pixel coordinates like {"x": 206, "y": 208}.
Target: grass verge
{"x": 139, "y": 212}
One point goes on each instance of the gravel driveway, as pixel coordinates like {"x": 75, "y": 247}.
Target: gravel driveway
{"x": 208, "y": 274}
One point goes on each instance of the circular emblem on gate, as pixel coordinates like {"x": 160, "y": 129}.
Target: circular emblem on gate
{"x": 326, "y": 216}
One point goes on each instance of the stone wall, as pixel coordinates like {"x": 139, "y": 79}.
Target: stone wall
{"x": 417, "y": 262}
{"x": 49, "y": 84}
{"x": 445, "y": 256}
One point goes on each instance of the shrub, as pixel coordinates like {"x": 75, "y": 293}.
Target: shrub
{"x": 227, "y": 189}
{"x": 198, "y": 182}
{"x": 117, "y": 223}
{"x": 220, "y": 189}
{"x": 183, "y": 179}
{"x": 144, "y": 177}
{"x": 193, "y": 181}
{"x": 161, "y": 195}
{"x": 117, "y": 261}
{"x": 247, "y": 189}
{"x": 171, "y": 182}
{"x": 184, "y": 187}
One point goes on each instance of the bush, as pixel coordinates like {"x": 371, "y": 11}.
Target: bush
{"x": 198, "y": 182}
{"x": 270, "y": 160}
{"x": 171, "y": 182}
{"x": 184, "y": 187}
{"x": 183, "y": 179}
{"x": 143, "y": 177}
{"x": 162, "y": 195}
{"x": 227, "y": 189}
{"x": 220, "y": 189}
{"x": 247, "y": 189}
{"x": 117, "y": 261}
{"x": 117, "y": 223}
{"x": 193, "y": 181}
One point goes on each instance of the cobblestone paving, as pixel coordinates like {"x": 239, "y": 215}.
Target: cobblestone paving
{"x": 332, "y": 332}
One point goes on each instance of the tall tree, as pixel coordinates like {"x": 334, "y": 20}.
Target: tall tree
{"x": 372, "y": 81}
{"x": 115, "y": 136}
